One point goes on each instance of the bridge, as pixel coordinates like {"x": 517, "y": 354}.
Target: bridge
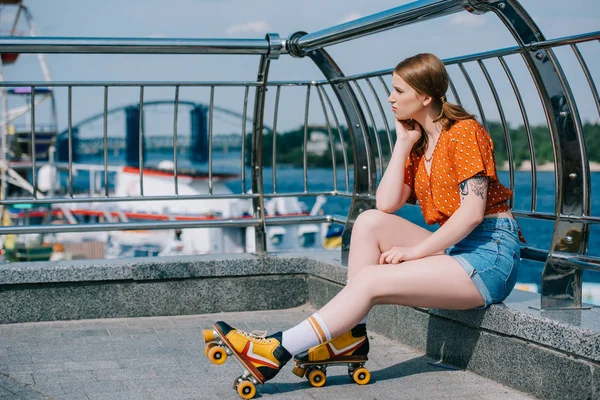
{"x": 196, "y": 143}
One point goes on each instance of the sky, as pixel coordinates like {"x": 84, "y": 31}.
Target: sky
{"x": 459, "y": 34}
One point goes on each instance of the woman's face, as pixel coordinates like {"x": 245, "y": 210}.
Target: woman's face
{"x": 406, "y": 101}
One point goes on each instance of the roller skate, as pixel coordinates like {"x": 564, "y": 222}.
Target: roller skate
{"x": 260, "y": 356}
{"x": 351, "y": 349}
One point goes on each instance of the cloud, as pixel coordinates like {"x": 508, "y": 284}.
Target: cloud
{"x": 467, "y": 19}
{"x": 350, "y": 17}
{"x": 158, "y": 35}
{"x": 260, "y": 27}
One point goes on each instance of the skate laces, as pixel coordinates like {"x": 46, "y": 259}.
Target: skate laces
{"x": 255, "y": 335}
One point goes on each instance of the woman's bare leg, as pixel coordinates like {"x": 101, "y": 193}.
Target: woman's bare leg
{"x": 435, "y": 282}
{"x": 375, "y": 232}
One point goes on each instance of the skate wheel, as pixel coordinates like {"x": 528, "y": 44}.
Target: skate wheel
{"x": 217, "y": 355}
{"x": 208, "y": 335}
{"x": 208, "y": 347}
{"x": 316, "y": 378}
{"x": 246, "y": 389}
{"x": 361, "y": 376}
{"x": 236, "y": 382}
{"x": 299, "y": 371}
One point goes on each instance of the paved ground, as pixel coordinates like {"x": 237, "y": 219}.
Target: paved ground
{"x": 163, "y": 358}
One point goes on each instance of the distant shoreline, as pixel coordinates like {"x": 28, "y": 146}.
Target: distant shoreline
{"x": 547, "y": 166}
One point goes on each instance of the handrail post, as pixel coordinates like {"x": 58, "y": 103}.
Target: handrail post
{"x": 561, "y": 280}
{"x": 365, "y": 173}
{"x": 258, "y": 203}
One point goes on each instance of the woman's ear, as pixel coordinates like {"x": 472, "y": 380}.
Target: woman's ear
{"x": 427, "y": 100}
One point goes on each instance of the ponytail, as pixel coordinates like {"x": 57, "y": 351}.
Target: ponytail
{"x": 451, "y": 113}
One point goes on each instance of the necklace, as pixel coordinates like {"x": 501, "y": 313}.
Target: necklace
{"x": 428, "y": 160}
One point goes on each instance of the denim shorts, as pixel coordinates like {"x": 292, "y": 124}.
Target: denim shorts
{"x": 491, "y": 256}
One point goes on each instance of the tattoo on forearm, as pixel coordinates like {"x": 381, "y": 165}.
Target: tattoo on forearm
{"x": 477, "y": 184}
{"x": 464, "y": 188}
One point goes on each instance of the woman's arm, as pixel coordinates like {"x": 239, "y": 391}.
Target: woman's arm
{"x": 473, "y": 196}
{"x": 392, "y": 192}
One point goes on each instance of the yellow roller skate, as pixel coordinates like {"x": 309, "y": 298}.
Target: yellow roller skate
{"x": 260, "y": 356}
{"x": 351, "y": 349}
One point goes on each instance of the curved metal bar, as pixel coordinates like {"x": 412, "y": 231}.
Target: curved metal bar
{"x": 70, "y": 137}
{"x": 488, "y": 54}
{"x": 584, "y": 37}
{"x": 387, "y": 90}
{"x": 305, "y": 143}
{"x": 511, "y": 169}
{"x": 175, "y": 116}
{"x": 387, "y": 127}
{"x": 375, "y": 133}
{"x": 140, "y": 143}
{"x": 274, "y": 133}
{"x": 370, "y": 157}
{"x": 33, "y": 149}
{"x": 243, "y": 172}
{"x": 453, "y": 90}
{"x": 210, "y": 139}
{"x": 331, "y": 140}
{"x": 588, "y": 75}
{"x": 257, "y": 146}
{"x": 342, "y": 140}
{"x": 417, "y": 11}
{"x": 561, "y": 286}
{"x": 475, "y": 96}
{"x": 517, "y": 92}
{"x": 365, "y": 178}
{"x": 51, "y": 45}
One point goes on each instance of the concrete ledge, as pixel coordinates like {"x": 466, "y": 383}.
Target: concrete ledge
{"x": 550, "y": 354}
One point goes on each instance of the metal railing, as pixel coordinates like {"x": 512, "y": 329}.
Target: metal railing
{"x": 352, "y": 108}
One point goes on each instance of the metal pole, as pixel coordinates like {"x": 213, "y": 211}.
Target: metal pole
{"x": 52, "y": 45}
{"x": 257, "y": 141}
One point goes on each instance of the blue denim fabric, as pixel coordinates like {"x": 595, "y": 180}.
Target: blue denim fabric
{"x": 491, "y": 256}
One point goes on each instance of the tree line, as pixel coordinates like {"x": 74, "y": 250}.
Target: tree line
{"x": 289, "y": 145}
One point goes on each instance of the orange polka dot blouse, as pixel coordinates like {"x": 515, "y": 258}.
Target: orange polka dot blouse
{"x": 461, "y": 152}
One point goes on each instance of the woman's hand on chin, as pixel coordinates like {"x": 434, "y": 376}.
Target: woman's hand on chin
{"x": 408, "y": 131}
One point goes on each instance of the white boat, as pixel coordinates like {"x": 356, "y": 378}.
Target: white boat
{"x": 160, "y": 182}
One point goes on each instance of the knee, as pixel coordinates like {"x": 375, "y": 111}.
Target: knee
{"x": 368, "y": 221}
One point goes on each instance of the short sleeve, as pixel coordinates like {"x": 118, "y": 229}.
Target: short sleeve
{"x": 472, "y": 151}
{"x": 409, "y": 178}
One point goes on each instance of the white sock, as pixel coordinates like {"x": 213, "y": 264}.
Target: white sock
{"x": 364, "y": 320}
{"x": 308, "y": 333}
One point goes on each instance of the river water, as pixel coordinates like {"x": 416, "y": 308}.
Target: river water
{"x": 291, "y": 179}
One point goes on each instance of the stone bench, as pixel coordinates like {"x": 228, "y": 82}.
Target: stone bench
{"x": 550, "y": 354}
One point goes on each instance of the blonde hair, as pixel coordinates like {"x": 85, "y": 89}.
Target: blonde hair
{"x": 427, "y": 75}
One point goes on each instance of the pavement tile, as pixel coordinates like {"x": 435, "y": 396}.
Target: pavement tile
{"x": 163, "y": 358}
{"x": 121, "y": 395}
{"x": 90, "y": 365}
